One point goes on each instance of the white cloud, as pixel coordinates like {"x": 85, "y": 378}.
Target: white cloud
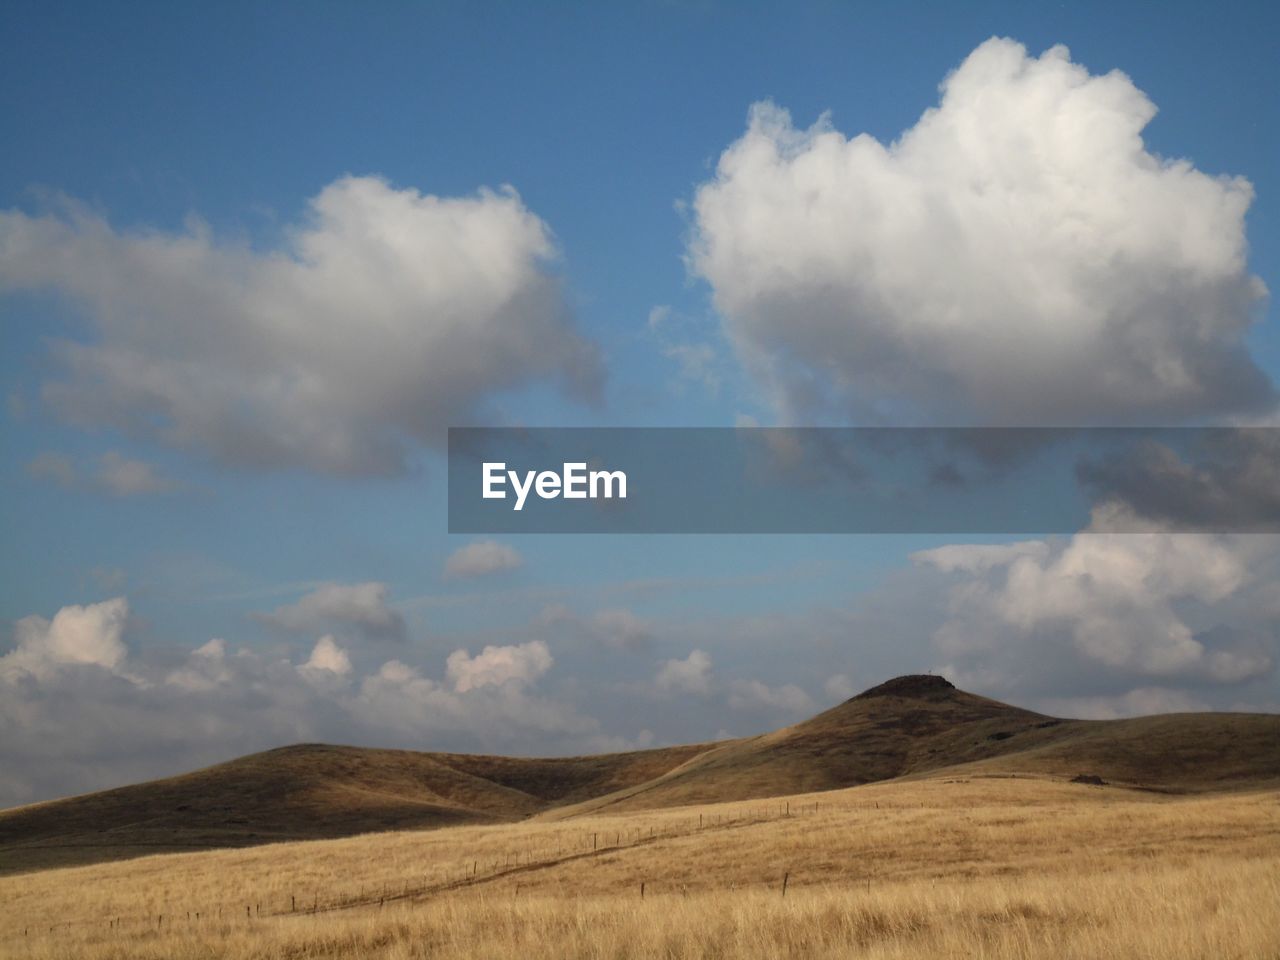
{"x": 399, "y": 700}
{"x": 494, "y": 666}
{"x": 386, "y": 316}
{"x": 327, "y": 657}
{"x": 752, "y": 694}
{"x": 206, "y": 668}
{"x": 363, "y": 605}
{"x": 215, "y": 649}
{"x": 482, "y": 558}
{"x": 690, "y": 675}
{"x": 1017, "y": 256}
{"x": 1126, "y": 602}
{"x": 76, "y": 636}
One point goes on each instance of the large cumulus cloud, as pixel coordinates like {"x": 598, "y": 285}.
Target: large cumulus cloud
{"x": 1111, "y": 613}
{"x": 1017, "y": 256}
{"x": 386, "y": 315}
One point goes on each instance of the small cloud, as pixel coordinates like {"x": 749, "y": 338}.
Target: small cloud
{"x": 622, "y": 630}
{"x": 494, "y": 666}
{"x": 481, "y": 559}
{"x": 555, "y": 615}
{"x": 1139, "y": 702}
{"x": 617, "y": 628}
{"x": 206, "y": 668}
{"x": 89, "y": 635}
{"x": 113, "y": 473}
{"x": 690, "y": 675}
{"x": 122, "y": 477}
{"x": 752, "y": 694}
{"x": 215, "y": 649}
{"x": 327, "y": 658}
{"x": 696, "y": 360}
{"x": 974, "y": 558}
{"x": 363, "y": 605}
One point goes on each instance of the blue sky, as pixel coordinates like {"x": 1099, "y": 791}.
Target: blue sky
{"x": 608, "y": 120}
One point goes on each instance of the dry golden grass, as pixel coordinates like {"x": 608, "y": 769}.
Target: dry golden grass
{"x": 914, "y": 726}
{"x": 983, "y": 867}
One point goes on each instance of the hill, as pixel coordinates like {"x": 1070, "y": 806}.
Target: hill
{"x": 917, "y": 725}
{"x": 311, "y": 791}
{"x": 908, "y": 727}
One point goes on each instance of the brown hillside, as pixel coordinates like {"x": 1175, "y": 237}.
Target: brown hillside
{"x": 907, "y": 727}
{"x": 918, "y": 725}
{"x": 310, "y": 791}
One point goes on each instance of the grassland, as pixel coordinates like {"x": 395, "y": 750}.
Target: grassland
{"x": 909, "y": 727}
{"x": 956, "y": 865}
{"x": 912, "y": 821}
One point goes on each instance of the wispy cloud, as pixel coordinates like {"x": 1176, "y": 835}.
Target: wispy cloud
{"x": 362, "y": 605}
{"x": 481, "y": 559}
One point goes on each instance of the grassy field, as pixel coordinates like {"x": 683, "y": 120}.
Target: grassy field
{"x": 952, "y": 866}
{"x": 909, "y": 727}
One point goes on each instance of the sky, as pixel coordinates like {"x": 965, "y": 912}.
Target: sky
{"x": 254, "y": 262}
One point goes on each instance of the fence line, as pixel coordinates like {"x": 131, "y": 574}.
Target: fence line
{"x": 472, "y": 873}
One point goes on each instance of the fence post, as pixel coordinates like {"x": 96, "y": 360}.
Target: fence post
{"x": 785, "y": 878}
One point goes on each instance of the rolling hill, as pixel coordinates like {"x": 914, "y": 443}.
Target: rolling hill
{"x": 909, "y": 726}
